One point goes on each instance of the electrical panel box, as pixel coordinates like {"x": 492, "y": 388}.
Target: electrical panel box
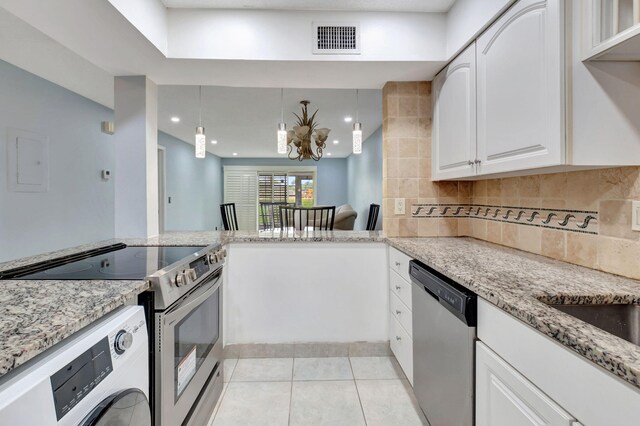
{"x": 28, "y": 161}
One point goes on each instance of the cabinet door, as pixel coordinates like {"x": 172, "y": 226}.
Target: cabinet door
{"x": 401, "y": 346}
{"x": 521, "y": 89}
{"x": 505, "y": 398}
{"x": 454, "y": 118}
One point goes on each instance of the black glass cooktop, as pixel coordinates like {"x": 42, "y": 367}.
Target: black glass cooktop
{"x": 111, "y": 263}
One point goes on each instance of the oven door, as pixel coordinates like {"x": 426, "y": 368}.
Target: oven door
{"x": 188, "y": 350}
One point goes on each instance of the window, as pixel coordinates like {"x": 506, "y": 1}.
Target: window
{"x": 251, "y": 186}
{"x": 272, "y": 188}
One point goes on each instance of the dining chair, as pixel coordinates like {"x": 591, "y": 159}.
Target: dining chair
{"x": 372, "y": 220}
{"x": 316, "y": 218}
{"x": 270, "y": 214}
{"x": 229, "y": 217}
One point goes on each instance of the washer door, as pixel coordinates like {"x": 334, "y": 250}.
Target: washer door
{"x": 129, "y": 407}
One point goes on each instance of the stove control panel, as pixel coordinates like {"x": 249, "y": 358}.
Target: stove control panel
{"x": 172, "y": 283}
{"x": 217, "y": 256}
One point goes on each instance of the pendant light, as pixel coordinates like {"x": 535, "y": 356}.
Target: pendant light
{"x": 357, "y": 129}
{"x": 282, "y": 127}
{"x": 201, "y": 139}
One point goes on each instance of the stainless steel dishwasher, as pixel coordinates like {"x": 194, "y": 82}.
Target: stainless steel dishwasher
{"x": 444, "y": 334}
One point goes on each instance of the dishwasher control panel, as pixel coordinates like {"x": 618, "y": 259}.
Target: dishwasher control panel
{"x": 458, "y": 300}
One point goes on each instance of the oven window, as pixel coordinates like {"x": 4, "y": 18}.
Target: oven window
{"x": 195, "y": 336}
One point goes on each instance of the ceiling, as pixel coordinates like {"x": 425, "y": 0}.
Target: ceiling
{"x": 244, "y": 120}
{"x": 434, "y": 6}
{"x": 81, "y": 44}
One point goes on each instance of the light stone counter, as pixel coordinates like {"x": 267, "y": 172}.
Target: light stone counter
{"x": 519, "y": 283}
{"x": 35, "y": 315}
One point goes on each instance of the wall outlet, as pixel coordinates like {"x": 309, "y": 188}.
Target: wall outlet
{"x": 399, "y": 206}
{"x": 635, "y": 216}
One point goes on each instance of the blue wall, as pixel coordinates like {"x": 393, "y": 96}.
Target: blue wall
{"x": 79, "y": 206}
{"x": 194, "y": 185}
{"x": 331, "y": 175}
{"x": 365, "y": 179}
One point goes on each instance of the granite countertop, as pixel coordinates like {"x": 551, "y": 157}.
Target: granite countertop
{"x": 518, "y": 283}
{"x": 206, "y": 238}
{"x": 291, "y": 236}
{"x": 35, "y": 315}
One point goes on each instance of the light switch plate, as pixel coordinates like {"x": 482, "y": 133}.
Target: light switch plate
{"x": 635, "y": 216}
{"x": 399, "y": 206}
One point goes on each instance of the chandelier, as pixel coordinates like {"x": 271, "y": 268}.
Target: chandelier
{"x": 306, "y": 138}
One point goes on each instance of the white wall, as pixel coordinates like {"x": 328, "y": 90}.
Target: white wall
{"x": 467, "y": 18}
{"x": 149, "y": 17}
{"x": 287, "y": 35}
{"x": 306, "y": 292}
{"x": 136, "y": 150}
{"x": 364, "y": 179}
{"x": 194, "y": 185}
{"x": 79, "y": 206}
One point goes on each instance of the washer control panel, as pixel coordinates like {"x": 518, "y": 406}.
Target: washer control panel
{"x": 124, "y": 338}
{"x": 75, "y": 380}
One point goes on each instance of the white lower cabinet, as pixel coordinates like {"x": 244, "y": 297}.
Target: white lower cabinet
{"x": 524, "y": 377}
{"x": 400, "y": 313}
{"x": 401, "y": 346}
{"x": 506, "y": 398}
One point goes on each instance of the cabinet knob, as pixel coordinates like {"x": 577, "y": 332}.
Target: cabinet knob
{"x": 398, "y": 287}
{"x": 398, "y": 338}
{"x": 478, "y": 161}
{"x": 398, "y": 312}
{"x": 397, "y": 263}
{"x": 471, "y": 163}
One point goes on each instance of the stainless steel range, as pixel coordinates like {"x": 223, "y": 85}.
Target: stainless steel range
{"x": 183, "y": 311}
{"x": 187, "y": 371}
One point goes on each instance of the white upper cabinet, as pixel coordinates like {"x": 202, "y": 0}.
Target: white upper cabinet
{"x": 520, "y": 89}
{"x": 454, "y": 118}
{"x": 612, "y": 30}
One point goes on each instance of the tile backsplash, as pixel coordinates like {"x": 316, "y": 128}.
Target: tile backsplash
{"x": 406, "y": 135}
{"x": 606, "y": 194}
{"x": 580, "y": 217}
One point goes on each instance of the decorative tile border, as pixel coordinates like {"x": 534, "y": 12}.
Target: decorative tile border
{"x": 583, "y": 221}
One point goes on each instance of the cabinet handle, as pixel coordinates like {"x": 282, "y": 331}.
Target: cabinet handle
{"x": 471, "y": 163}
{"x": 398, "y": 312}
{"x": 478, "y": 161}
{"x": 398, "y": 338}
{"x": 398, "y": 287}
{"x": 397, "y": 263}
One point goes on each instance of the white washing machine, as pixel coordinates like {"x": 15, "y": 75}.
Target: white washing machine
{"x": 98, "y": 376}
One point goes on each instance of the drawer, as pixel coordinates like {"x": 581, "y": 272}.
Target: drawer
{"x": 402, "y": 313}
{"x": 399, "y": 262}
{"x": 402, "y": 347}
{"x": 400, "y": 287}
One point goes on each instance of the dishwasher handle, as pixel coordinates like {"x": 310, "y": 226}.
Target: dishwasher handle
{"x": 456, "y": 299}
{"x": 430, "y": 293}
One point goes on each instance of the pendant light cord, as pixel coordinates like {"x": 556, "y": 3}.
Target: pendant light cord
{"x": 282, "y": 105}
{"x": 357, "y": 105}
{"x": 200, "y": 119}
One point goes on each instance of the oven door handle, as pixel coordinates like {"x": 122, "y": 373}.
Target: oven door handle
{"x": 188, "y": 303}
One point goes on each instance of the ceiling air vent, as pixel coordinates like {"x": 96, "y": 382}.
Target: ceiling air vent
{"x": 336, "y": 39}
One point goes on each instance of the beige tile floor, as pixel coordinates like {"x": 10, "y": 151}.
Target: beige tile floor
{"x": 316, "y": 391}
